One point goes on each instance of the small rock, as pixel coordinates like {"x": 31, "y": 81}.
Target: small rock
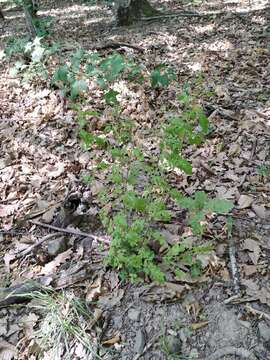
{"x": 57, "y": 246}
{"x": 174, "y": 344}
{"x": 134, "y": 314}
{"x": 264, "y": 331}
{"x": 139, "y": 342}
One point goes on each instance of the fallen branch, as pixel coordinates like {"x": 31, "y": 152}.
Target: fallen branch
{"x": 70, "y": 231}
{"x": 176, "y": 14}
{"x": 257, "y": 312}
{"x": 233, "y": 262}
{"x": 18, "y": 293}
{"x": 31, "y": 248}
{"x": 116, "y": 45}
{"x": 231, "y": 350}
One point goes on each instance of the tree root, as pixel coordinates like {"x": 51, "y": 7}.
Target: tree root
{"x": 231, "y": 350}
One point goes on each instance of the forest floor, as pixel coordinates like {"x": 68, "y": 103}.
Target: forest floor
{"x": 44, "y": 171}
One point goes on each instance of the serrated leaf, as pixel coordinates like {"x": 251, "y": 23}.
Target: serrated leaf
{"x": 78, "y": 87}
{"x": 220, "y": 206}
{"x": 61, "y": 74}
{"x": 185, "y": 166}
{"x": 111, "y": 97}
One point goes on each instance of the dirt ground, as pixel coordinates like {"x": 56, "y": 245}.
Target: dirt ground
{"x": 225, "y": 58}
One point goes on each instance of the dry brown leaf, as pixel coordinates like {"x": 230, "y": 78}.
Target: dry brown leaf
{"x": 112, "y": 341}
{"x": 28, "y": 322}
{"x": 245, "y": 201}
{"x": 8, "y": 257}
{"x": 93, "y": 291}
{"x": 53, "y": 265}
{"x": 48, "y": 216}
{"x": 7, "y": 350}
{"x": 110, "y": 300}
{"x": 96, "y": 187}
{"x": 199, "y": 325}
{"x": 7, "y": 210}
{"x": 254, "y": 248}
{"x": 249, "y": 269}
{"x": 259, "y": 211}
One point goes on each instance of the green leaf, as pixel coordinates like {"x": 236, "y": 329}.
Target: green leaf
{"x": 78, "y": 87}
{"x": 111, "y": 97}
{"x": 203, "y": 122}
{"x": 200, "y": 199}
{"x": 185, "y": 166}
{"x": 112, "y": 66}
{"x": 61, "y": 74}
{"x": 133, "y": 202}
{"x": 220, "y": 206}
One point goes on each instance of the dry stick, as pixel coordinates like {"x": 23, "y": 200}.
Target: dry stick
{"x": 231, "y": 350}
{"x": 41, "y": 241}
{"x": 257, "y": 312}
{"x": 69, "y": 231}
{"x": 234, "y": 268}
{"x": 115, "y": 45}
{"x": 254, "y": 145}
{"x": 160, "y": 17}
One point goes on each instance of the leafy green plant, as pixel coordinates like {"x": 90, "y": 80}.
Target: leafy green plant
{"x": 161, "y": 76}
{"x": 68, "y": 78}
{"x": 199, "y": 206}
{"x": 189, "y": 128}
{"x": 263, "y": 170}
{"x": 16, "y": 46}
{"x": 137, "y": 187}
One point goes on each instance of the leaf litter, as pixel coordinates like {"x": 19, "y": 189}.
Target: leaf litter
{"x": 43, "y": 160}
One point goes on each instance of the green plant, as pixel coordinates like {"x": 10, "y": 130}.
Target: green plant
{"x": 162, "y": 75}
{"x": 263, "y": 170}
{"x": 69, "y": 78}
{"x": 66, "y": 322}
{"x": 16, "y": 46}
{"x": 189, "y": 128}
{"x": 199, "y": 207}
{"x": 137, "y": 186}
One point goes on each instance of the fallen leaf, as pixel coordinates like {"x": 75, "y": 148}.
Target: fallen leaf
{"x": 7, "y": 350}
{"x": 112, "y": 341}
{"x": 197, "y": 326}
{"x": 244, "y": 201}
{"x": 110, "y": 300}
{"x": 28, "y": 322}
{"x": 259, "y": 211}
{"x": 93, "y": 291}
{"x": 7, "y": 210}
{"x": 249, "y": 269}
{"x": 53, "y": 265}
{"x": 254, "y": 248}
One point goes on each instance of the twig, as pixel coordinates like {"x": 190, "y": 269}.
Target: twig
{"x": 41, "y": 241}
{"x": 115, "y": 45}
{"x": 254, "y": 145}
{"x": 231, "y": 350}
{"x": 233, "y": 262}
{"x": 176, "y": 14}
{"x": 235, "y": 299}
{"x": 69, "y": 231}
{"x": 257, "y": 312}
